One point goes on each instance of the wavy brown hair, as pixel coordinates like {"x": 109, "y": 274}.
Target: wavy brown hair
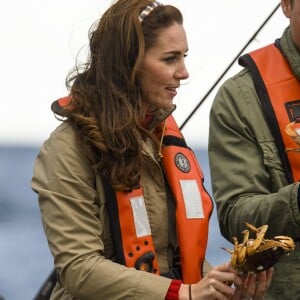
{"x": 107, "y": 108}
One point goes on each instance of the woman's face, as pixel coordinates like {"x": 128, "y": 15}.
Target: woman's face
{"x": 164, "y": 67}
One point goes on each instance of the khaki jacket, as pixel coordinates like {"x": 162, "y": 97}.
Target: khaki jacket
{"x": 72, "y": 204}
{"x": 248, "y": 181}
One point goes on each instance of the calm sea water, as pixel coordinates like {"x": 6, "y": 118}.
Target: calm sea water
{"x": 25, "y": 260}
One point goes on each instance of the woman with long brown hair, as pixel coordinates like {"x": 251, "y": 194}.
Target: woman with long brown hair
{"x": 121, "y": 194}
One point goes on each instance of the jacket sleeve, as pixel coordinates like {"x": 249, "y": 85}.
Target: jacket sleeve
{"x": 65, "y": 184}
{"x": 248, "y": 181}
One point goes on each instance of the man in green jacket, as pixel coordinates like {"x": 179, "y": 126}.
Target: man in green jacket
{"x": 249, "y": 179}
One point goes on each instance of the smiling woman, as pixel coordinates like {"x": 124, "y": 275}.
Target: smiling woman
{"x": 129, "y": 216}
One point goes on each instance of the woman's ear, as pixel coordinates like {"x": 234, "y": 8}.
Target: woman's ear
{"x": 286, "y": 7}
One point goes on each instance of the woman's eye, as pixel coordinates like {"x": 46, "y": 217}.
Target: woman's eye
{"x": 170, "y": 59}
{"x": 174, "y": 58}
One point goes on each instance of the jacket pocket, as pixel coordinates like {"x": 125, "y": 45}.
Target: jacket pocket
{"x": 273, "y": 165}
{"x": 270, "y": 156}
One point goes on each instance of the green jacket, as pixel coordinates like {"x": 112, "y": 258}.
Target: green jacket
{"x": 248, "y": 181}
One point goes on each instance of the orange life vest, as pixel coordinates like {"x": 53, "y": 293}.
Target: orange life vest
{"x": 279, "y": 92}
{"x": 129, "y": 221}
{"x": 193, "y": 203}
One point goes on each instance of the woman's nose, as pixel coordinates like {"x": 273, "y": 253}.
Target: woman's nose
{"x": 182, "y": 73}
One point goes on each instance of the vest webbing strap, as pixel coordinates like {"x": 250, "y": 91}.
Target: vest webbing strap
{"x": 114, "y": 222}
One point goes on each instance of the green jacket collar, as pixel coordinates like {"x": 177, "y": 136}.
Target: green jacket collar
{"x": 290, "y": 51}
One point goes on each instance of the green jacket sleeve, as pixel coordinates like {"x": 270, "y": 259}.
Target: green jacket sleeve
{"x": 248, "y": 181}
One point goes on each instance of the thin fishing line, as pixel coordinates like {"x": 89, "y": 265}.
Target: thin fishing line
{"x": 229, "y": 66}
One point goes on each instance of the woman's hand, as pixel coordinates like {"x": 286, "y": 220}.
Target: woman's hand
{"x": 254, "y": 285}
{"x": 224, "y": 282}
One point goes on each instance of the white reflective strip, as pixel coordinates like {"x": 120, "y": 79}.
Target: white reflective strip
{"x": 192, "y": 199}
{"x": 140, "y": 216}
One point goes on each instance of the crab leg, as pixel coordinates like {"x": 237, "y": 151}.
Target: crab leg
{"x": 260, "y": 233}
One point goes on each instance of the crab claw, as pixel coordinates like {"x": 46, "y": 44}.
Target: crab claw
{"x": 286, "y": 242}
{"x": 260, "y": 233}
{"x": 291, "y": 132}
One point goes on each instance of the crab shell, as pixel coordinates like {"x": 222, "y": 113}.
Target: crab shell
{"x": 291, "y": 132}
{"x": 265, "y": 256}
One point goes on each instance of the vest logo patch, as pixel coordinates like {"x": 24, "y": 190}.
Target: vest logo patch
{"x": 182, "y": 163}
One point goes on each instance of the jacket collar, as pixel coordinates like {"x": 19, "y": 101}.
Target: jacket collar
{"x": 290, "y": 51}
{"x": 160, "y": 116}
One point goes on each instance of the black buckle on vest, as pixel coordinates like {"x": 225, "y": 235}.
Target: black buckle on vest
{"x": 293, "y": 110}
{"x": 145, "y": 262}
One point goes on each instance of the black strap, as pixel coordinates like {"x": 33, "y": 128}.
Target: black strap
{"x": 173, "y": 273}
{"x": 261, "y": 90}
{"x": 45, "y": 291}
{"x": 170, "y": 140}
{"x": 57, "y": 108}
{"x": 114, "y": 221}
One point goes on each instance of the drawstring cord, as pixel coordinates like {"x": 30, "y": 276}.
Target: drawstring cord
{"x": 160, "y": 155}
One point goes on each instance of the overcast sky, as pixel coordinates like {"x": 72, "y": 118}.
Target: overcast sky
{"x": 40, "y": 40}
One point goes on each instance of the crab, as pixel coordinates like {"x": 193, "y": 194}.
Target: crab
{"x": 293, "y": 132}
{"x": 259, "y": 254}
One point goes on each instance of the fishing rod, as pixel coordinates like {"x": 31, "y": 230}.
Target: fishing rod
{"x": 229, "y": 66}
